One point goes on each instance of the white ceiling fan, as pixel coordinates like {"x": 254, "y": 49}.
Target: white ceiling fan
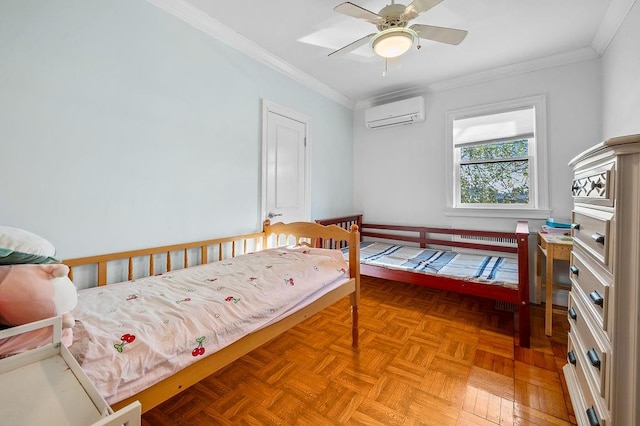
{"x": 394, "y": 37}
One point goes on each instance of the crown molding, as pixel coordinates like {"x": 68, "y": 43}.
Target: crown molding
{"x": 209, "y": 25}
{"x": 613, "y": 19}
{"x": 552, "y": 61}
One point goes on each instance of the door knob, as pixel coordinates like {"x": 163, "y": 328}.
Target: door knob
{"x": 271, "y": 215}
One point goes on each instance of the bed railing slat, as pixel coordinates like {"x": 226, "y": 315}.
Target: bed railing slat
{"x": 168, "y": 261}
{"x": 204, "y": 254}
{"x": 130, "y": 272}
{"x": 102, "y": 273}
{"x": 152, "y": 266}
{"x": 186, "y": 259}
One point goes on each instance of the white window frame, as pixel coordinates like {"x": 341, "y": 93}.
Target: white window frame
{"x": 538, "y": 207}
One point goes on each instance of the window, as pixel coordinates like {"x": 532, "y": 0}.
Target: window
{"x": 497, "y": 154}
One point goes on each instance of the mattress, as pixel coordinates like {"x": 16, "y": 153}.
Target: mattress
{"x": 486, "y": 269}
{"x": 129, "y": 336}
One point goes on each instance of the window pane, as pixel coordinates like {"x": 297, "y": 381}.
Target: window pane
{"x": 493, "y": 151}
{"x": 495, "y": 183}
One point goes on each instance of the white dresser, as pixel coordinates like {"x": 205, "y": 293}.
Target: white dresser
{"x": 603, "y": 370}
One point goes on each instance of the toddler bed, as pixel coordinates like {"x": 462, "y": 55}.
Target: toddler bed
{"x": 154, "y": 335}
{"x": 489, "y": 264}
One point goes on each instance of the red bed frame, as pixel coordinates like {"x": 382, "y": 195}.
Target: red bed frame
{"x": 430, "y": 236}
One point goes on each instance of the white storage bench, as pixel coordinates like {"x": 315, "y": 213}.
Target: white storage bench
{"x": 46, "y": 386}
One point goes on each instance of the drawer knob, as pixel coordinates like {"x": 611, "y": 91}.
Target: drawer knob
{"x": 595, "y": 185}
{"x": 571, "y": 357}
{"x": 593, "y": 417}
{"x": 598, "y": 238}
{"x": 574, "y": 270}
{"x": 593, "y": 358}
{"x": 596, "y": 298}
{"x": 575, "y": 187}
{"x": 575, "y": 226}
{"x": 572, "y": 314}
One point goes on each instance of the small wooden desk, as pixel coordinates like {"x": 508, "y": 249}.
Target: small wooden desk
{"x": 553, "y": 247}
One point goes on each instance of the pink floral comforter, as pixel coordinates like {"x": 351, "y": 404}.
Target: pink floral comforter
{"x": 131, "y": 335}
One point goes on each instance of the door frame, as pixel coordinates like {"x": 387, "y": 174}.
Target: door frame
{"x": 267, "y": 107}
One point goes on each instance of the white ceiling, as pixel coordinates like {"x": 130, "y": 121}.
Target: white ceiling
{"x": 296, "y": 37}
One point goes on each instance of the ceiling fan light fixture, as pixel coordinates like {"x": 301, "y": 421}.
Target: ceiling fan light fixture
{"x": 393, "y": 42}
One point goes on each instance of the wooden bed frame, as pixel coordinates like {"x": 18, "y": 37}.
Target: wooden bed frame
{"x": 425, "y": 236}
{"x": 274, "y": 235}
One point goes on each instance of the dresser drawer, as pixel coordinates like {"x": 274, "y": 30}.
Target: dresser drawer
{"x": 594, "y": 352}
{"x": 594, "y": 186}
{"x": 592, "y": 288}
{"x": 588, "y": 405}
{"x": 591, "y": 232}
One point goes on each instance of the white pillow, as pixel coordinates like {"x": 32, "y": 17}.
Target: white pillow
{"x": 18, "y": 246}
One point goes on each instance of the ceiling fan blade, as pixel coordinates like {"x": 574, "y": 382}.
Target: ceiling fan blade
{"x": 441, "y": 34}
{"x": 352, "y": 46}
{"x": 418, "y": 7}
{"x": 358, "y": 12}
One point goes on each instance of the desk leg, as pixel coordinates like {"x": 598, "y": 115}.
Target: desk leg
{"x": 548, "y": 326}
{"x": 539, "y": 255}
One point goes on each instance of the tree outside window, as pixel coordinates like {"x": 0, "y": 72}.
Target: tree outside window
{"x": 495, "y": 173}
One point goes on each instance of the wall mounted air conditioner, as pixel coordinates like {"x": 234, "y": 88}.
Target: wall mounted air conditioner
{"x": 396, "y": 113}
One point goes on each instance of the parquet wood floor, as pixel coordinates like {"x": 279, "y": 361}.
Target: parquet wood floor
{"x": 426, "y": 357}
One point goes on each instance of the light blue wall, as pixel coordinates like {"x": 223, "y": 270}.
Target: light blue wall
{"x": 123, "y": 127}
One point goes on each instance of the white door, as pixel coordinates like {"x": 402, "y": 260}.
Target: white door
{"x": 285, "y": 163}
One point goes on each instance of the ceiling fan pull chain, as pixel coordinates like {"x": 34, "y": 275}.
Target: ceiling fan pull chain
{"x": 384, "y": 73}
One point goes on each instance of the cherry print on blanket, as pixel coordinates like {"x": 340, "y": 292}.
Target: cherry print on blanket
{"x": 124, "y": 340}
{"x": 198, "y": 350}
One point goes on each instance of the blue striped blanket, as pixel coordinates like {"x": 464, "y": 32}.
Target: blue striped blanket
{"x": 480, "y": 268}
